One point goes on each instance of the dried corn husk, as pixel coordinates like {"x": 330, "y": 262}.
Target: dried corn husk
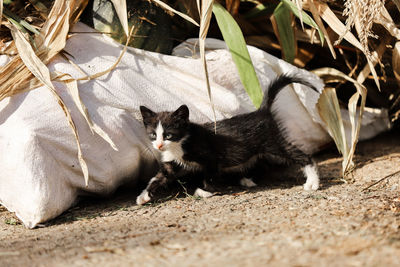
{"x": 329, "y": 110}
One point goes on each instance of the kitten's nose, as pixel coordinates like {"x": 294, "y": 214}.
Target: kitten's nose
{"x": 159, "y": 146}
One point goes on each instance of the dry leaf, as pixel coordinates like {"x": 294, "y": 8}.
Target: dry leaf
{"x": 205, "y": 10}
{"x": 28, "y": 56}
{"x": 328, "y": 108}
{"x": 99, "y": 74}
{"x": 73, "y": 88}
{"x": 16, "y": 78}
{"x": 1, "y": 11}
{"x": 74, "y": 91}
{"x": 53, "y": 35}
{"x": 355, "y": 125}
{"x": 320, "y": 24}
{"x": 330, "y": 18}
{"x": 377, "y": 55}
{"x": 371, "y": 57}
{"x": 336, "y": 25}
{"x": 373, "y": 71}
{"x": 386, "y": 21}
{"x": 396, "y": 61}
{"x": 167, "y": 7}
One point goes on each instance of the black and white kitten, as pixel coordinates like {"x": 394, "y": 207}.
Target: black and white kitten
{"x": 192, "y": 150}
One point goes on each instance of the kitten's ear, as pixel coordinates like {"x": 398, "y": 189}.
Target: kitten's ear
{"x": 146, "y": 113}
{"x": 182, "y": 112}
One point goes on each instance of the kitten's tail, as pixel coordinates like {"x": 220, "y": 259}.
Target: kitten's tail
{"x": 278, "y": 84}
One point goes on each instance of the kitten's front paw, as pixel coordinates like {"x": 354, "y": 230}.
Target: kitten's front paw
{"x": 143, "y": 198}
{"x": 247, "y": 182}
{"x": 202, "y": 193}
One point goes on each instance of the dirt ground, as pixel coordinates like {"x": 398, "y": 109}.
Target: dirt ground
{"x": 275, "y": 224}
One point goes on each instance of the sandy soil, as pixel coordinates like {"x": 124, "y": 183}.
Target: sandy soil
{"x": 275, "y": 224}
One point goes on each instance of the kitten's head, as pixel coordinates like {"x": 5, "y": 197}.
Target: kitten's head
{"x": 165, "y": 129}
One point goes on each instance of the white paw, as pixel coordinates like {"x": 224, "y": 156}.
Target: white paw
{"x": 312, "y": 182}
{"x": 311, "y": 186}
{"x": 246, "y": 182}
{"x": 202, "y": 193}
{"x": 143, "y": 198}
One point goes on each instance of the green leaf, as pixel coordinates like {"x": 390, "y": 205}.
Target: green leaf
{"x": 306, "y": 18}
{"x": 283, "y": 19}
{"x": 11, "y": 221}
{"x": 237, "y": 46}
{"x": 18, "y": 22}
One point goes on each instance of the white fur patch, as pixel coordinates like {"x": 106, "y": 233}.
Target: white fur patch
{"x": 247, "y": 182}
{"x": 202, "y": 193}
{"x": 143, "y": 198}
{"x": 172, "y": 151}
{"x": 312, "y": 182}
{"x": 159, "y": 142}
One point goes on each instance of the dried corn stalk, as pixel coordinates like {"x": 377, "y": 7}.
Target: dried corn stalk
{"x": 329, "y": 110}
{"x": 205, "y": 11}
{"x": 316, "y": 15}
{"x": 361, "y": 14}
{"x": 1, "y": 10}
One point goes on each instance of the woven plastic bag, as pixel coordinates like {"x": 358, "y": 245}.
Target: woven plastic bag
{"x": 40, "y": 176}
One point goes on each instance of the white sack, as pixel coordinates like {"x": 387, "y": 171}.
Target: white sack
{"x": 40, "y": 176}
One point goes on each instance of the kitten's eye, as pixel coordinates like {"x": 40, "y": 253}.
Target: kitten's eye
{"x": 168, "y": 136}
{"x": 152, "y": 135}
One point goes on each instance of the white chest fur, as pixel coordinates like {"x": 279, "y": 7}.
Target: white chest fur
{"x": 175, "y": 153}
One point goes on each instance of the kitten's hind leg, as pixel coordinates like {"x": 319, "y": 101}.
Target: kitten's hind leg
{"x": 311, "y": 173}
{"x": 247, "y": 182}
{"x": 309, "y": 168}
